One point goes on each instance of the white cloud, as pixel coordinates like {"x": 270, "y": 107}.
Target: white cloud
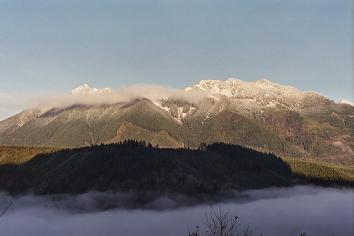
{"x": 12, "y": 103}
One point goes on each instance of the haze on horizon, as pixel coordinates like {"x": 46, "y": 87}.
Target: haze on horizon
{"x": 54, "y": 46}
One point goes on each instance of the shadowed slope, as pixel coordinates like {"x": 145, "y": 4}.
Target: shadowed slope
{"x": 134, "y": 166}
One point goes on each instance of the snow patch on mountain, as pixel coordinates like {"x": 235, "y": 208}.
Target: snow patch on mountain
{"x": 346, "y": 102}
{"x": 158, "y": 103}
{"x": 259, "y": 94}
{"x": 235, "y": 88}
{"x": 29, "y": 115}
{"x": 177, "y": 109}
{"x": 254, "y": 98}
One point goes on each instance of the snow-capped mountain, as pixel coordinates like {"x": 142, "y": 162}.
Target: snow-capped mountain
{"x": 260, "y": 114}
{"x": 254, "y": 98}
{"x": 260, "y": 89}
{"x": 263, "y": 92}
{"x": 346, "y": 102}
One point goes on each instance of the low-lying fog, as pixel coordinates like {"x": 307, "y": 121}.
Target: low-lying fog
{"x": 278, "y": 211}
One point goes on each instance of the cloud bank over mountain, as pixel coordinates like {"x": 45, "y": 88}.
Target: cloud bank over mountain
{"x": 11, "y": 103}
{"x": 86, "y": 95}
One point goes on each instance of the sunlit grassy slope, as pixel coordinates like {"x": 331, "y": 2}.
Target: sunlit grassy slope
{"x": 320, "y": 171}
{"x": 21, "y": 154}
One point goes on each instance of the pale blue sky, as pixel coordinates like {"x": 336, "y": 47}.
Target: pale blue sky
{"x": 48, "y": 45}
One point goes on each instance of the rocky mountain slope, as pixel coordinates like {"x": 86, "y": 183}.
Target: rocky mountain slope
{"x": 260, "y": 114}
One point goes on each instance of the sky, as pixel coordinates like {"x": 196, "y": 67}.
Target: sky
{"x": 55, "y": 45}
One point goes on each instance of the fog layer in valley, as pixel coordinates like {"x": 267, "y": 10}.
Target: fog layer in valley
{"x": 281, "y": 211}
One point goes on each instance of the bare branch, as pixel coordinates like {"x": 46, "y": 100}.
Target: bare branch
{"x": 6, "y": 209}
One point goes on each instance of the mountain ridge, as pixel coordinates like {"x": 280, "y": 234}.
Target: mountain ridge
{"x": 136, "y": 166}
{"x": 262, "y": 115}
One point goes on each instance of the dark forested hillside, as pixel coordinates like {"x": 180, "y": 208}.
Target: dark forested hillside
{"x": 135, "y": 166}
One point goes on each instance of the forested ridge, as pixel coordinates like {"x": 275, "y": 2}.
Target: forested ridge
{"x": 137, "y": 166}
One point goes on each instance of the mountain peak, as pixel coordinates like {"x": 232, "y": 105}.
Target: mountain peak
{"x": 263, "y": 81}
{"x": 86, "y": 89}
{"x": 260, "y": 90}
